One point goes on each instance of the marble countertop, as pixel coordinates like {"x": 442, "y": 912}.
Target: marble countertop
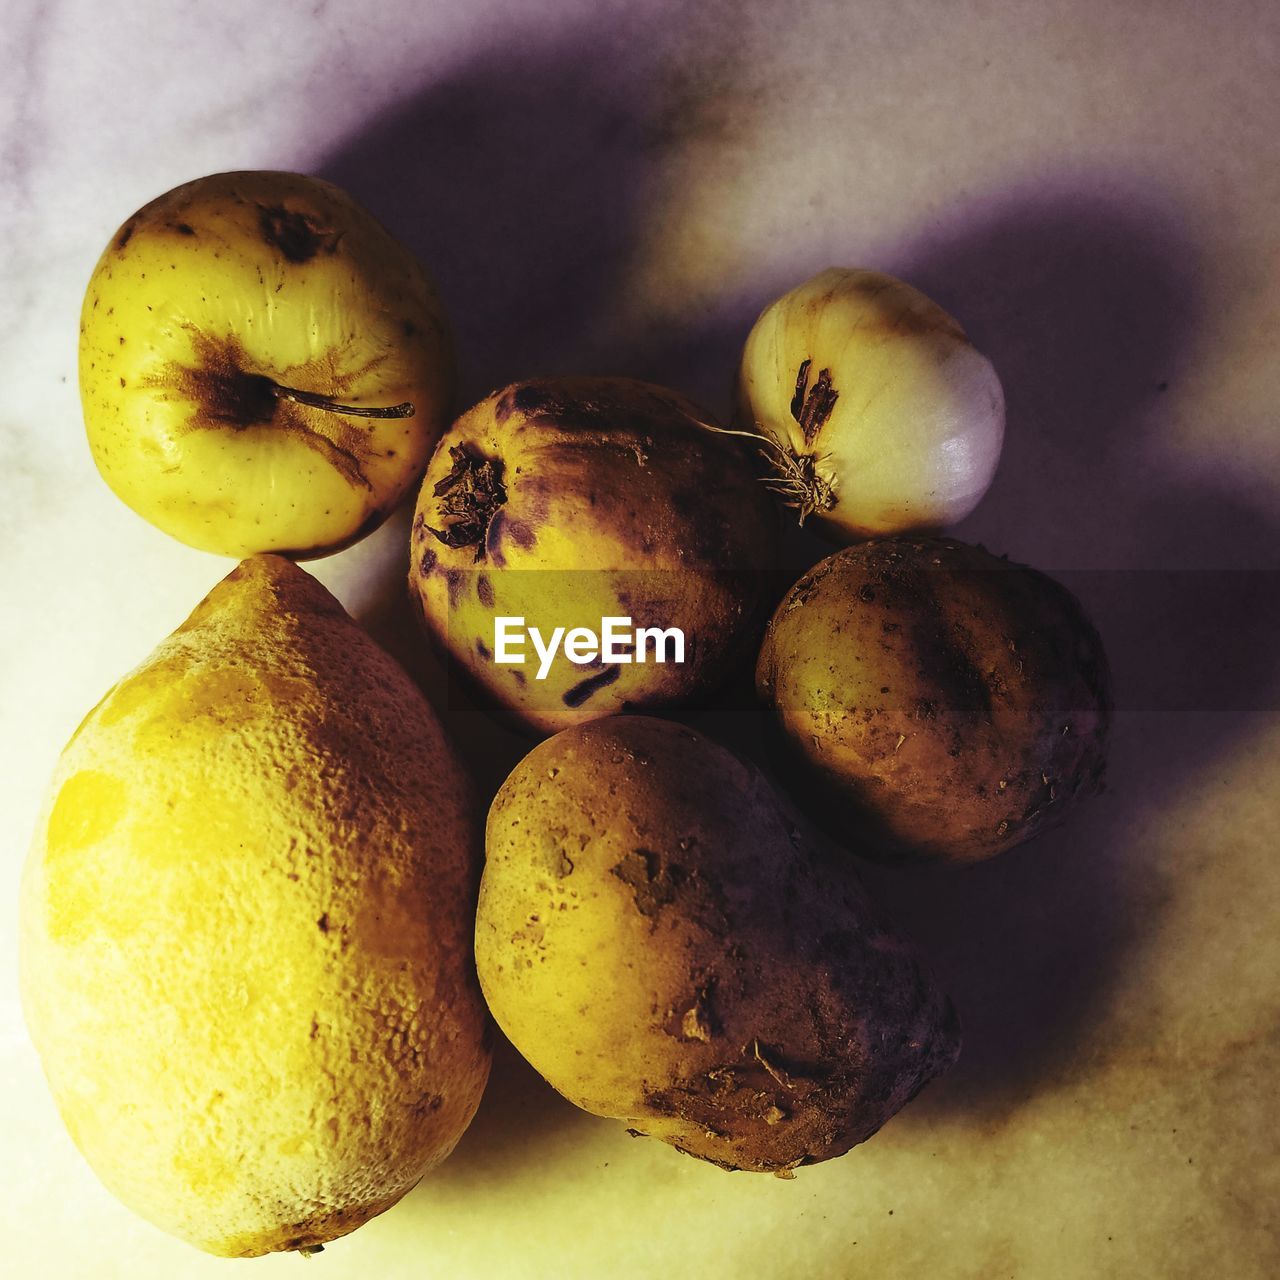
{"x": 618, "y": 188}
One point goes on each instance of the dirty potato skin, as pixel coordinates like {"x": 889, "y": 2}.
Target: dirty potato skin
{"x": 656, "y": 937}
{"x": 933, "y": 700}
{"x": 568, "y": 500}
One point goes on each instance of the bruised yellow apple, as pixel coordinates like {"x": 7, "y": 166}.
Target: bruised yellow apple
{"x": 263, "y": 366}
{"x": 586, "y": 546}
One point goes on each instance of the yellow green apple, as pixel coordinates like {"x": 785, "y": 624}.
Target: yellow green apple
{"x": 263, "y": 366}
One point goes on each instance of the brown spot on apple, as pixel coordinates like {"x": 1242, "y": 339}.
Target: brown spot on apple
{"x": 584, "y": 689}
{"x": 453, "y": 585}
{"x": 225, "y": 391}
{"x": 298, "y": 236}
{"x": 468, "y": 498}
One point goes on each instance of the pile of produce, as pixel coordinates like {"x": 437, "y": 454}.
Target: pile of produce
{"x": 264, "y": 919}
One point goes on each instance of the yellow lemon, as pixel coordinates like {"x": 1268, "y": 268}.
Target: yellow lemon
{"x": 246, "y": 927}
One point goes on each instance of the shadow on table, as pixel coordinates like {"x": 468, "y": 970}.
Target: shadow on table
{"x": 521, "y": 180}
{"x": 523, "y": 193}
{"x": 521, "y": 1125}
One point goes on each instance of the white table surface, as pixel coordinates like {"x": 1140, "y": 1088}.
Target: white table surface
{"x": 1093, "y": 189}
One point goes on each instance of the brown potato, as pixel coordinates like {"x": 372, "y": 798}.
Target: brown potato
{"x": 657, "y": 938}
{"x": 567, "y": 501}
{"x": 935, "y": 700}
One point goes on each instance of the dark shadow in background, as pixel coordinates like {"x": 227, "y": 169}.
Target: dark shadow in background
{"x": 519, "y": 180}
{"x": 521, "y": 1121}
{"x": 523, "y": 190}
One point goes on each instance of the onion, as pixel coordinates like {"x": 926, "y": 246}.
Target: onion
{"x": 874, "y": 411}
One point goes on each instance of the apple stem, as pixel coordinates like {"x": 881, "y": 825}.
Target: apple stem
{"x": 313, "y": 401}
